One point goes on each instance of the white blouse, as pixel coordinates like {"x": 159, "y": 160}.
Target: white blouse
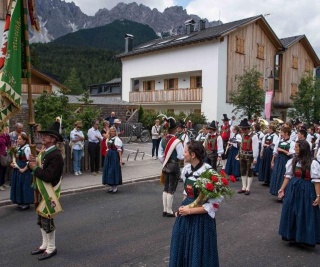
{"x": 212, "y": 204}
{"x": 314, "y": 170}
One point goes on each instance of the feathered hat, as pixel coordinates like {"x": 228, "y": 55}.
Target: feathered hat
{"x": 53, "y": 130}
{"x": 212, "y": 125}
{"x": 169, "y": 123}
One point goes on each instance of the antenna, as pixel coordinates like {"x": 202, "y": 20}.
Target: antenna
{"x": 219, "y": 17}
{"x": 267, "y": 14}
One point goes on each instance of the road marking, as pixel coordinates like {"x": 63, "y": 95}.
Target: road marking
{"x": 136, "y": 151}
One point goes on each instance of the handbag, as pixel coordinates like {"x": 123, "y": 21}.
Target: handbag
{"x": 162, "y": 178}
{"x": 5, "y": 160}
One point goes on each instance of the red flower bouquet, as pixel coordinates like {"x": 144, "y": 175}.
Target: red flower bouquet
{"x": 212, "y": 184}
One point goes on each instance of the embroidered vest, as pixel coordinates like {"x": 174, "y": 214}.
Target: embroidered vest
{"x": 269, "y": 138}
{"x": 211, "y": 142}
{"x": 298, "y": 173}
{"x": 246, "y": 143}
{"x": 225, "y": 132}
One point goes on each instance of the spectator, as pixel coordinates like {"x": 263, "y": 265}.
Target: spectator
{"x": 14, "y": 134}
{"x": 77, "y": 147}
{"x": 94, "y": 138}
{"x": 116, "y": 124}
{"x": 21, "y": 179}
{"x": 156, "y": 138}
{"x": 37, "y": 137}
{"x": 111, "y": 118}
{"x": 112, "y": 166}
{"x": 4, "y": 144}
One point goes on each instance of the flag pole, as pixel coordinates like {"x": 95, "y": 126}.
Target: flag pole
{"x": 28, "y": 74}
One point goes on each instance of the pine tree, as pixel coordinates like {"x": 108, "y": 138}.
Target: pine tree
{"x": 73, "y": 83}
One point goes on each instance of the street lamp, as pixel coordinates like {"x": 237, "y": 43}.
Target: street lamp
{"x": 269, "y": 94}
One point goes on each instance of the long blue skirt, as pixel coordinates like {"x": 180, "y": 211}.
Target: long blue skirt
{"x": 277, "y": 173}
{"x": 233, "y": 165}
{"x": 194, "y": 241}
{"x": 21, "y": 190}
{"x": 111, "y": 169}
{"x": 257, "y": 166}
{"x": 300, "y": 221}
{"x": 265, "y": 166}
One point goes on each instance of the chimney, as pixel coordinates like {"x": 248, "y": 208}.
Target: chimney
{"x": 201, "y": 25}
{"x": 190, "y": 25}
{"x": 128, "y": 42}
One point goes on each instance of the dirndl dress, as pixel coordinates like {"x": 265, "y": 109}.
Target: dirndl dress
{"x": 111, "y": 168}
{"x": 21, "y": 189}
{"x": 265, "y": 165}
{"x": 233, "y": 165}
{"x": 300, "y": 221}
{"x": 194, "y": 237}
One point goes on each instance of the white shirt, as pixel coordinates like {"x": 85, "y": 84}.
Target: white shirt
{"x": 314, "y": 170}
{"x": 291, "y": 149}
{"x": 179, "y": 148}
{"x": 93, "y": 134}
{"x": 73, "y": 136}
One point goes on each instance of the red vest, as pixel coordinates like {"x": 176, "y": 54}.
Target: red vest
{"x": 212, "y": 143}
{"x": 246, "y": 144}
{"x": 225, "y": 132}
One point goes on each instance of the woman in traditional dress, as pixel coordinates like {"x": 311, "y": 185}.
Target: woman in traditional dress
{"x": 112, "y": 164}
{"x": 104, "y": 133}
{"x": 194, "y": 237}
{"x": 260, "y": 135}
{"x": 268, "y": 144}
{"x": 300, "y": 217}
{"x": 21, "y": 179}
{"x": 233, "y": 163}
{"x": 282, "y": 152}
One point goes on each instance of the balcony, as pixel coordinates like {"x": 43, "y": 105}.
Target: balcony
{"x": 36, "y": 88}
{"x": 164, "y": 96}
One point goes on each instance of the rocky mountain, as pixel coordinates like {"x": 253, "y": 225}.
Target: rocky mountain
{"x": 59, "y": 18}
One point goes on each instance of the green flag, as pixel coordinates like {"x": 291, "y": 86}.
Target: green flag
{"x": 11, "y": 74}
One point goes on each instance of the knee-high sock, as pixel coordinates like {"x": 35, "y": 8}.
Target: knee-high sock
{"x": 224, "y": 161}
{"x": 51, "y": 242}
{"x": 169, "y": 203}
{"x": 164, "y": 201}
{"x": 44, "y": 239}
{"x": 244, "y": 182}
{"x": 249, "y": 182}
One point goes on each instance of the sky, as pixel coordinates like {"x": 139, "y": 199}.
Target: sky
{"x": 286, "y": 17}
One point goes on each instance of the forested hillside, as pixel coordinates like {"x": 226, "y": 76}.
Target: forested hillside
{"x": 90, "y": 52}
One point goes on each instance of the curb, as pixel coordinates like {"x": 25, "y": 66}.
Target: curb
{"x": 8, "y": 202}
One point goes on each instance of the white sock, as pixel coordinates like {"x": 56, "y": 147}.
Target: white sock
{"x": 164, "y": 201}
{"x": 169, "y": 203}
{"x": 51, "y": 242}
{"x": 249, "y": 182}
{"x": 44, "y": 239}
{"x": 244, "y": 182}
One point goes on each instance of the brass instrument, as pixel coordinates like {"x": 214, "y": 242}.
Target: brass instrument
{"x": 263, "y": 124}
{"x": 278, "y": 124}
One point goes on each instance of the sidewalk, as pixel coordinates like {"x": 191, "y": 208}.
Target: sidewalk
{"x": 132, "y": 171}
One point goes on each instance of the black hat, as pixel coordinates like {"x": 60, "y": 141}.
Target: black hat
{"x": 181, "y": 124}
{"x": 169, "y": 123}
{"x": 212, "y": 125}
{"x": 225, "y": 117}
{"x": 296, "y": 121}
{"x": 315, "y": 121}
{"x": 244, "y": 123}
{"x": 53, "y": 130}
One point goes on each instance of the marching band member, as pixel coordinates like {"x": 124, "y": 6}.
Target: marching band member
{"x": 202, "y": 135}
{"x": 233, "y": 164}
{"x": 225, "y": 135}
{"x": 260, "y": 135}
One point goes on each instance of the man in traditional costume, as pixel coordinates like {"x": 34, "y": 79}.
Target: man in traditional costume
{"x": 213, "y": 145}
{"x": 47, "y": 169}
{"x": 248, "y": 154}
{"x": 225, "y": 135}
{"x": 171, "y": 151}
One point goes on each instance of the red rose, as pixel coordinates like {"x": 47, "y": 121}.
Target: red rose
{"x": 232, "y": 178}
{"x": 223, "y": 173}
{"x": 216, "y": 205}
{"x": 209, "y": 187}
{"x": 225, "y": 181}
{"x": 214, "y": 179}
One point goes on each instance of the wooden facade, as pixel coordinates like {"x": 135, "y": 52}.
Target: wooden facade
{"x": 249, "y": 46}
{"x": 295, "y": 64}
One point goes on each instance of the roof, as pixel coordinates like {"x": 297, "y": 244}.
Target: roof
{"x": 48, "y": 78}
{"x": 98, "y": 100}
{"x": 203, "y": 35}
{"x": 115, "y": 80}
{"x": 289, "y": 41}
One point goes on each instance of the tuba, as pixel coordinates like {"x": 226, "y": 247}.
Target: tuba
{"x": 263, "y": 124}
{"x": 278, "y": 123}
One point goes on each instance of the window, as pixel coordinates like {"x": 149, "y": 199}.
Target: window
{"x": 260, "y": 83}
{"x": 148, "y": 85}
{"x": 171, "y": 83}
{"x": 136, "y": 85}
{"x": 260, "y": 51}
{"x": 239, "y": 45}
{"x": 277, "y": 72}
{"x": 195, "y": 82}
{"x": 294, "y": 62}
{"x": 294, "y": 89}
{"x": 308, "y": 65}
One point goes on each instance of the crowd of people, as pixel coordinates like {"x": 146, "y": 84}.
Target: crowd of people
{"x": 285, "y": 158}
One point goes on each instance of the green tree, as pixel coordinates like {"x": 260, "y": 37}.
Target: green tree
{"x": 248, "y": 98}
{"x": 140, "y": 113}
{"x": 306, "y": 101}
{"x": 73, "y": 83}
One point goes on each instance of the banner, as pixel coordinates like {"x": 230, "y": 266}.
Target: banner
{"x": 11, "y": 74}
{"x": 267, "y": 104}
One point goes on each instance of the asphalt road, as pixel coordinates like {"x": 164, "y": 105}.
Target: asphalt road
{"x": 127, "y": 229}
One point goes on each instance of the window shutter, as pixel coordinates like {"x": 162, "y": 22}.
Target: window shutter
{"x": 153, "y": 85}
{"x": 166, "y": 81}
{"x": 193, "y": 82}
{"x": 144, "y": 86}
{"x": 175, "y": 83}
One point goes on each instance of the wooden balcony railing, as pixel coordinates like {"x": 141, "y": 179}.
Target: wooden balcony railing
{"x": 37, "y": 88}
{"x": 162, "y": 96}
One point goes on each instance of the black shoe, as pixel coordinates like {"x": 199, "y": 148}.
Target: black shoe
{"x": 247, "y": 193}
{"x": 265, "y": 184}
{"x": 241, "y": 191}
{"x": 37, "y": 251}
{"x": 110, "y": 190}
{"x": 164, "y": 214}
{"x": 170, "y": 215}
{"x": 46, "y": 255}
